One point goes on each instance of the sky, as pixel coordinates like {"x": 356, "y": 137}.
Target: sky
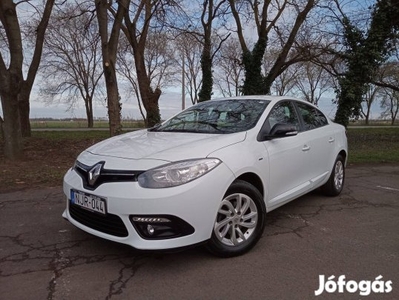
{"x": 170, "y": 103}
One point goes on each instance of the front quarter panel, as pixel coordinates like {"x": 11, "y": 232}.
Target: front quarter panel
{"x": 248, "y": 156}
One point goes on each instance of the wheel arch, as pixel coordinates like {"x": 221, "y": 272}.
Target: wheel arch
{"x": 344, "y": 155}
{"x": 253, "y": 179}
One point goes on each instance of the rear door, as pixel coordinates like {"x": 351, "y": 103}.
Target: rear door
{"x": 321, "y": 140}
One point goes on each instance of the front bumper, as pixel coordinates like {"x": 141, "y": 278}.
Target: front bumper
{"x": 194, "y": 203}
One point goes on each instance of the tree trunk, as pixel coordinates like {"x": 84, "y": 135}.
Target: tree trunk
{"x": 114, "y": 106}
{"x": 153, "y": 116}
{"x": 254, "y": 80}
{"x": 24, "y": 111}
{"x": 13, "y": 146}
{"x": 89, "y": 111}
{"x": 394, "y": 110}
{"x": 207, "y": 17}
{"x": 367, "y": 118}
{"x": 149, "y": 97}
{"x": 1, "y": 127}
{"x": 26, "y": 85}
{"x": 207, "y": 77}
{"x": 10, "y": 81}
{"x": 109, "y": 48}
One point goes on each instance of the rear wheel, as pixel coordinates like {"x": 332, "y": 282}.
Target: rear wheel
{"x": 240, "y": 221}
{"x": 335, "y": 184}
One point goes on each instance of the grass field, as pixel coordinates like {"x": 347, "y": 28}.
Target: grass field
{"x": 49, "y": 154}
{"x": 81, "y": 124}
{"x": 373, "y": 145}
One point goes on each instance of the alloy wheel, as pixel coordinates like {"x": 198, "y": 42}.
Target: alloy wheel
{"x": 236, "y": 220}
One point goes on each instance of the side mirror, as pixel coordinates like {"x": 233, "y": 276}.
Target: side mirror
{"x": 281, "y": 130}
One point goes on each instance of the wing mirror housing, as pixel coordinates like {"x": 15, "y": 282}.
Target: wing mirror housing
{"x": 280, "y": 131}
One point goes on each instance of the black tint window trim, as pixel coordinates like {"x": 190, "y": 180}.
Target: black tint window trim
{"x": 314, "y": 119}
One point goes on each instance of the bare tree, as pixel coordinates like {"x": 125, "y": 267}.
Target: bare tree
{"x": 204, "y": 19}
{"x": 229, "y": 69}
{"x": 390, "y": 104}
{"x": 312, "y": 82}
{"x": 387, "y": 76}
{"x": 143, "y": 16}
{"x": 109, "y": 43}
{"x": 159, "y": 60}
{"x": 14, "y": 88}
{"x": 72, "y": 60}
{"x": 189, "y": 51}
{"x": 126, "y": 69}
{"x": 211, "y": 9}
{"x": 371, "y": 94}
{"x": 366, "y": 48}
{"x": 388, "y": 83}
{"x": 284, "y": 84}
{"x": 267, "y": 17}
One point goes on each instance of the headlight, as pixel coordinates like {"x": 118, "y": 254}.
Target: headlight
{"x": 177, "y": 173}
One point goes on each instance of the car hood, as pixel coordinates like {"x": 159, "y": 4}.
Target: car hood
{"x": 166, "y": 146}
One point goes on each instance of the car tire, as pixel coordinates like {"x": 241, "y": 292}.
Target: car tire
{"x": 334, "y": 185}
{"x": 239, "y": 222}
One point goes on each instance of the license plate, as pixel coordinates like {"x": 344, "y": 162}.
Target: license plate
{"x": 89, "y": 202}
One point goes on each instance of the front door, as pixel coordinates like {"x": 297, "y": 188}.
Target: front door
{"x": 289, "y": 158}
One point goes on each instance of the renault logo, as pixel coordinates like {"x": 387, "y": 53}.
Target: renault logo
{"x": 94, "y": 173}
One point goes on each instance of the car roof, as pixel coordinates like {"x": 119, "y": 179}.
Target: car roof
{"x": 264, "y": 97}
{"x": 260, "y": 97}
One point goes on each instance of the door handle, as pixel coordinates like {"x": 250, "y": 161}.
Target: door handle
{"x": 331, "y": 140}
{"x": 305, "y": 148}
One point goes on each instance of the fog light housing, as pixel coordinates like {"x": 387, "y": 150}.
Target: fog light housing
{"x": 150, "y": 229}
{"x": 160, "y": 227}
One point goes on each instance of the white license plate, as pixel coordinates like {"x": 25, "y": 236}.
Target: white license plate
{"x": 89, "y": 202}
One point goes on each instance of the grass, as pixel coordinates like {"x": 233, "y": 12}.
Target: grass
{"x": 49, "y": 154}
{"x": 53, "y": 136}
{"x": 373, "y": 145}
{"x": 81, "y": 124}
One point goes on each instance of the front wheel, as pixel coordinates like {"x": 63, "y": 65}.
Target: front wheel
{"x": 335, "y": 184}
{"x": 239, "y": 222}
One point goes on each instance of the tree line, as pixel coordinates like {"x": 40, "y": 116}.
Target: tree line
{"x": 103, "y": 49}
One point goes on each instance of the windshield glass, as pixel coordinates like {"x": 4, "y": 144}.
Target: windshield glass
{"x": 224, "y": 116}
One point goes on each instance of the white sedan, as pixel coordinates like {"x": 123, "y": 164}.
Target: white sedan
{"x": 209, "y": 175}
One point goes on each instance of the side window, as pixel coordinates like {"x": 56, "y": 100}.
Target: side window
{"x": 312, "y": 117}
{"x": 283, "y": 113}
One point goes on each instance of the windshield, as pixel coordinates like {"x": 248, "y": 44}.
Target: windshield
{"x": 224, "y": 116}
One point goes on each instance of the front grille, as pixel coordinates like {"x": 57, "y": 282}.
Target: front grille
{"x": 109, "y": 224}
{"x": 105, "y": 175}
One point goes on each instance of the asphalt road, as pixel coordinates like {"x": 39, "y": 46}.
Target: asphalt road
{"x": 42, "y": 256}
